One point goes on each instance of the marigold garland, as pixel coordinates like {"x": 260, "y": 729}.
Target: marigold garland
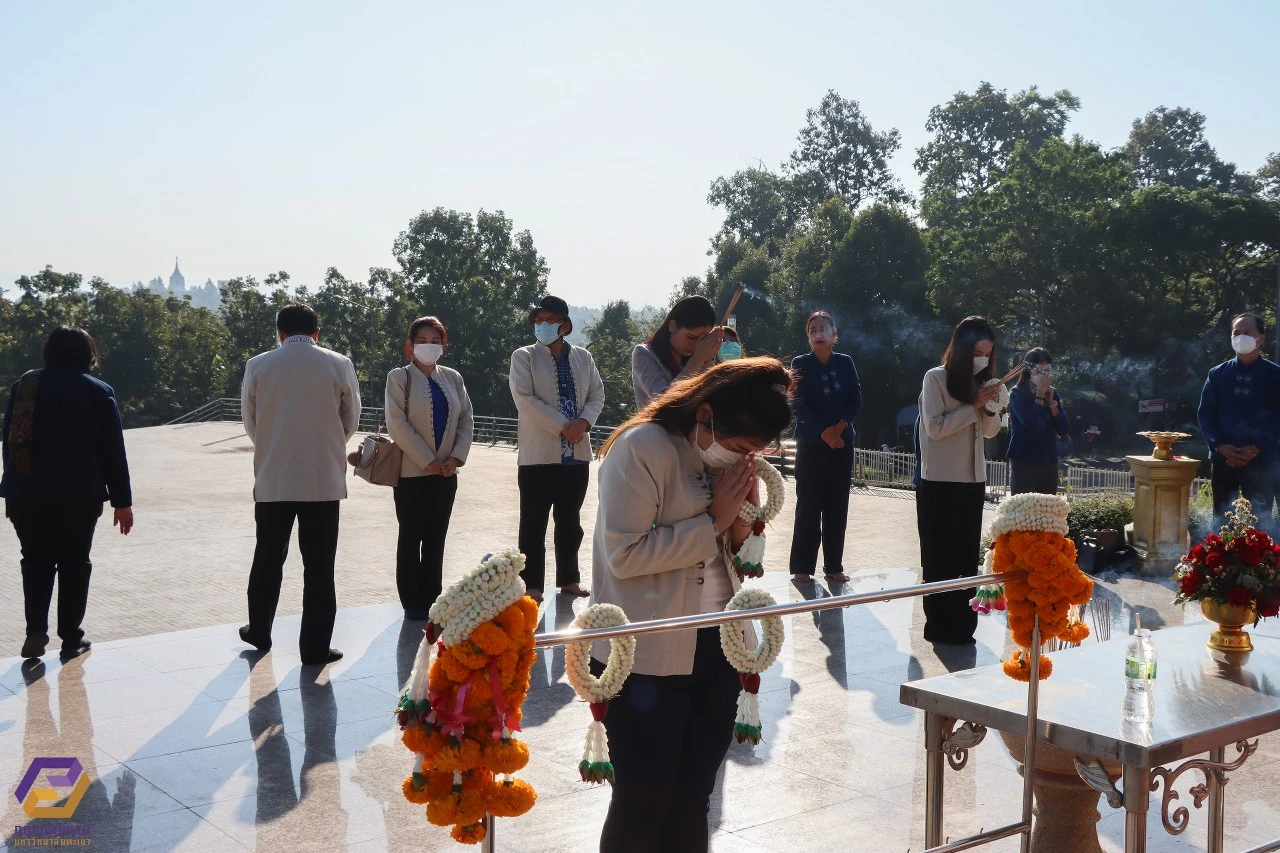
{"x": 458, "y": 713}
{"x": 1030, "y": 541}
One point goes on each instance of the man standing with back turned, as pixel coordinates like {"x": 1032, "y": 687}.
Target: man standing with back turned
{"x": 301, "y": 405}
{"x": 1240, "y": 420}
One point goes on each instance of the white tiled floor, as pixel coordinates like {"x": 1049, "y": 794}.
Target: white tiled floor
{"x": 194, "y": 744}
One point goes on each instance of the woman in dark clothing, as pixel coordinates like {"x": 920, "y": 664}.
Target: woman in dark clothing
{"x": 63, "y": 451}
{"x": 827, "y": 399}
{"x": 1036, "y": 421}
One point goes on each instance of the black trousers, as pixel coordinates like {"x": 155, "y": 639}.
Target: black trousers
{"x": 1259, "y": 482}
{"x": 55, "y": 539}
{"x": 318, "y": 543}
{"x": 949, "y": 519}
{"x": 423, "y": 508}
{"x": 822, "y": 507}
{"x": 668, "y": 736}
{"x": 558, "y": 490}
{"x": 1028, "y": 477}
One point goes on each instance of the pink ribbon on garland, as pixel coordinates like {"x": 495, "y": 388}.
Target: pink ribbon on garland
{"x": 498, "y": 721}
{"x": 454, "y": 722}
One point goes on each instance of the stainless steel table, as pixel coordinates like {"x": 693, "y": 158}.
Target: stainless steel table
{"x": 1201, "y": 706}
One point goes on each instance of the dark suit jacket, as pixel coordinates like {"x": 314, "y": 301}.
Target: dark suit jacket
{"x": 77, "y": 446}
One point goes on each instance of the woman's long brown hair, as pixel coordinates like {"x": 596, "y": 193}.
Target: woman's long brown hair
{"x": 748, "y": 397}
{"x": 958, "y": 359}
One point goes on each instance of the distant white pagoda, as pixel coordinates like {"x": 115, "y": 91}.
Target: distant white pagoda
{"x": 177, "y": 282}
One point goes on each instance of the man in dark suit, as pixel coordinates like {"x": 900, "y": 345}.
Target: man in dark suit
{"x": 63, "y": 451}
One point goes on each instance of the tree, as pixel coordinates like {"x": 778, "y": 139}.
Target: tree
{"x": 611, "y": 341}
{"x": 250, "y": 318}
{"x": 840, "y": 155}
{"x": 480, "y": 277}
{"x": 973, "y": 136}
{"x": 760, "y": 207}
{"x": 1268, "y": 177}
{"x": 1168, "y": 146}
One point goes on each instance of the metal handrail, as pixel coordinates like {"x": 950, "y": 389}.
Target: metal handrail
{"x": 706, "y": 620}
{"x": 702, "y": 620}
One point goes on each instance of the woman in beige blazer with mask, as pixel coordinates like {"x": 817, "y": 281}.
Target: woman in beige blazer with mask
{"x": 429, "y": 417}
{"x": 672, "y": 482}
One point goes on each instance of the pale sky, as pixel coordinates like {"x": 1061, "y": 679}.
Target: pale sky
{"x": 255, "y": 136}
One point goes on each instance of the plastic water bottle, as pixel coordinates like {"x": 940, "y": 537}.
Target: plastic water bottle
{"x": 1140, "y": 677}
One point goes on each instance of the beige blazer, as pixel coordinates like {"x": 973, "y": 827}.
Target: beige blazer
{"x": 649, "y": 376}
{"x": 654, "y": 542}
{"x": 414, "y": 432}
{"x": 301, "y": 405}
{"x": 535, "y": 388}
{"x": 951, "y": 434}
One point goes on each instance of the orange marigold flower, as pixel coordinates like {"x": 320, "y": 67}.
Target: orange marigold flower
{"x": 464, "y": 756}
{"x": 1075, "y": 633}
{"x": 510, "y": 799}
{"x": 415, "y": 794}
{"x": 443, "y": 811}
{"x": 471, "y": 833}
{"x": 477, "y": 781}
{"x": 490, "y": 638}
{"x": 529, "y": 608}
{"x": 469, "y": 655}
{"x": 1018, "y": 668}
{"x": 506, "y": 756}
{"x": 415, "y": 739}
{"x": 439, "y": 784}
{"x": 456, "y": 671}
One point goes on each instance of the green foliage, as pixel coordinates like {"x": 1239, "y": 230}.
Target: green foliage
{"x": 1168, "y": 146}
{"x": 1200, "y": 513}
{"x": 611, "y": 341}
{"x": 1099, "y": 512}
{"x": 479, "y": 276}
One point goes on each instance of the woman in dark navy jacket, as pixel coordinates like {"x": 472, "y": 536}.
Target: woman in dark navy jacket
{"x": 63, "y": 451}
{"x": 1036, "y": 420}
{"x": 827, "y": 399}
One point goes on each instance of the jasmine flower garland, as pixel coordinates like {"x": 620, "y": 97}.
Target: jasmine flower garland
{"x": 749, "y": 561}
{"x": 750, "y": 663}
{"x": 595, "y": 766}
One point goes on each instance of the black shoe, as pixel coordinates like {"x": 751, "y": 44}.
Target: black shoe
{"x": 248, "y": 638}
{"x": 74, "y": 650}
{"x": 333, "y": 656}
{"x": 35, "y": 645}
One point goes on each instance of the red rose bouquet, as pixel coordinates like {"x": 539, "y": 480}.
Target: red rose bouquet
{"x": 1239, "y": 566}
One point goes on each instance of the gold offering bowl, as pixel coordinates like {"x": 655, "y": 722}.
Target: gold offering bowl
{"x": 1164, "y": 442}
{"x": 1230, "y": 636}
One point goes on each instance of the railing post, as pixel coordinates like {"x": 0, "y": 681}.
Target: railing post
{"x": 1029, "y": 753}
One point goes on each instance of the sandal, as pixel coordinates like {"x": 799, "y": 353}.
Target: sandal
{"x": 535, "y": 594}
{"x": 802, "y": 578}
{"x": 575, "y": 589}
{"x": 836, "y": 577}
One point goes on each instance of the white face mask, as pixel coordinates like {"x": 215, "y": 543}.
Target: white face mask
{"x": 979, "y": 364}
{"x": 716, "y": 457}
{"x": 428, "y": 353}
{"x": 1243, "y": 344}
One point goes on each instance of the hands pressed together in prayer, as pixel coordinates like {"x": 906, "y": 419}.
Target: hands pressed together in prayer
{"x": 729, "y": 490}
